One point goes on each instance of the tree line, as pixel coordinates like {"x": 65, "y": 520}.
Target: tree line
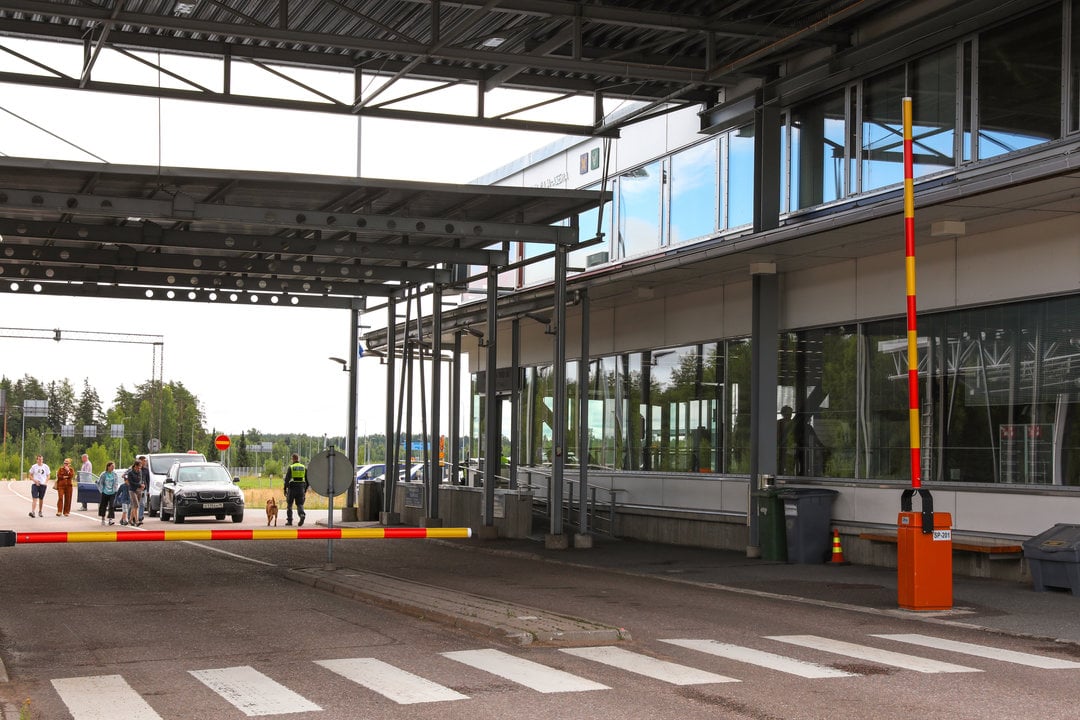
{"x": 167, "y": 416}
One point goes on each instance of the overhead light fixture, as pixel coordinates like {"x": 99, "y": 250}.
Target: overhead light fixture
{"x": 493, "y": 42}
{"x": 184, "y": 8}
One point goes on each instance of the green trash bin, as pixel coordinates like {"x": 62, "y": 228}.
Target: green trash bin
{"x": 771, "y": 531}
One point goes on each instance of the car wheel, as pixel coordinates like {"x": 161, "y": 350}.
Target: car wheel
{"x": 177, "y": 517}
{"x": 164, "y": 516}
{"x": 238, "y": 517}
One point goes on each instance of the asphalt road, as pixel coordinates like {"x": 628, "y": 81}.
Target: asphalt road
{"x": 184, "y": 630}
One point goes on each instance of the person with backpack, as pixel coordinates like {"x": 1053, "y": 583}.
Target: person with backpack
{"x": 133, "y": 480}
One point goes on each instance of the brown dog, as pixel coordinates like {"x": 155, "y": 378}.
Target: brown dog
{"x": 271, "y": 512}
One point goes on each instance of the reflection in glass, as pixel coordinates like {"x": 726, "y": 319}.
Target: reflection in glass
{"x": 639, "y": 210}
{"x": 817, "y": 148}
{"x": 694, "y": 193}
{"x": 740, "y": 185}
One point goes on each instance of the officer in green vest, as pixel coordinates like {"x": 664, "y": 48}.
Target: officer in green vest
{"x": 296, "y": 487}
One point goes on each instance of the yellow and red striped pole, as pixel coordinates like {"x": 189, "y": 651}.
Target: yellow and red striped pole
{"x": 912, "y": 336}
{"x": 255, "y": 534}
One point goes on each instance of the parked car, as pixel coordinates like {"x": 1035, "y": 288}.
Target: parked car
{"x": 159, "y": 467}
{"x": 87, "y": 492}
{"x": 365, "y": 473}
{"x": 416, "y": 473}
{"x": 200, "y": 488}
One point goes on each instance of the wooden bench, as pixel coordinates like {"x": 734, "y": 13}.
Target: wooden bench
{"x": 994, "y": 551}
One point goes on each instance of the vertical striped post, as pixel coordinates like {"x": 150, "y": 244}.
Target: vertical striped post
{"x": 912, "y": 335}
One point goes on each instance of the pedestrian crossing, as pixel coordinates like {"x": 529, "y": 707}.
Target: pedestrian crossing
{"x": 706, "y": 661}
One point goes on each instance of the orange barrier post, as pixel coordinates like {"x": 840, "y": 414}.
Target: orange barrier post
{"x": 837, "y": 551}
{"x": 9, "y": 537}
{"x": 924, "y": 562}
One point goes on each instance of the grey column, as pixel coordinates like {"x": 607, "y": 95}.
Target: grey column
{"x": 492, "y": 445}
{"x": 764, "y": 346}
{"x": 515, "y": 401}
{"x": 583, "y": 415}
{"x": 435, "y": 468}
{"x": 455, "y": 411}
{"x": 391, "y": 441}
{"x": 558, "y": 423}
{"x": 349, "y": 512}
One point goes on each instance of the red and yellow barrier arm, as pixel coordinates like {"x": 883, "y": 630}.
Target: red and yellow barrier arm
{"x": 9, "y": 537}
{"x": 912, "y": 335}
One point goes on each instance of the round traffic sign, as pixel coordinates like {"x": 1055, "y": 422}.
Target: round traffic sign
{"x": 319, "y": 477}
{"x": 154, "y": 445}
{"x": 221, "y": 442}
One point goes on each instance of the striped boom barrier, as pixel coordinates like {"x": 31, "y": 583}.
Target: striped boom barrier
{"x": 9, "y": 537}
{"x": 909, "y": 266}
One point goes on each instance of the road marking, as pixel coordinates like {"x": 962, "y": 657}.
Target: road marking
{"x": 663, "y": 670}
{"x": 871, "y": 654}
{"x": 524, "y": 672}
{"x": 391, "y": 682}
{"x": 103, "y": 697}
{"x": 761, "y": 658}
{"x": 984, "y": 651}
{"x": 252, "y": 692}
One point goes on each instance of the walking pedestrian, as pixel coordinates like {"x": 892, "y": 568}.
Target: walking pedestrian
{"x": 133, "y": 480}
{"x": 65, "y": 484}
{"x": 39, "y": 474}
{"x": 108, "y": 484}
{"x": 86, "y": 472}
{"x": 144, "y": 473}
{"x": 296, "y": 486}
{"x": 124, "y": 498}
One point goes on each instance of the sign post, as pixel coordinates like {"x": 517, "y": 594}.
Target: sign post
{"x": 328, "y": 470}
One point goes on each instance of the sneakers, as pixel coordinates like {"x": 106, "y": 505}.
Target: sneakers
{"x": 31, "y": 513}
{"x": 110, "y": 522}
{"x": 40, "y": 515}
{"x": 287, "y": 522}
{"x": 123, "y": 521}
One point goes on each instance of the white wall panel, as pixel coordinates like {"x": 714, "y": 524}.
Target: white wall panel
{"x": 693, "y": 317}
{"x": 1016, "y": 263}
{"x": 683, "y": 128}
{"x": 639, "y": 325}
{"x": 881, "y": 287}
{"x": 694, "y": 493}
{"x": 738, "y": 309}
{"x": 817, "y": 296}
{"x": 640, "y": 143}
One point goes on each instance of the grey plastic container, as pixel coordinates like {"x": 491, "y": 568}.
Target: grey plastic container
{"x": 1054, "y": 558}
{"x": 807, "y": 516}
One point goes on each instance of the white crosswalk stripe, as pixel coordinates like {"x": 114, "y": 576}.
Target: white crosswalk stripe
{"x": 872, "y": 654}
{"x": 533, "y": 675}
{"x": 391, "y": 682}
{"x": 103, "y": 697}
{"x": 252, "y": 692}
{"x": 985, "y": 651}
{"x": 761, "y": 658}
{"x": 663, "y": 670}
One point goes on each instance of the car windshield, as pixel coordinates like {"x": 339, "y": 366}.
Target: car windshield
{"x": 204, "y": 474}
{"x": 160, "y": 464}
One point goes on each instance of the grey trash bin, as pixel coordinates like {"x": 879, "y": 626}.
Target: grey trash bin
{"x": 1054, "y": 558}
{"x": 807, "y": 515}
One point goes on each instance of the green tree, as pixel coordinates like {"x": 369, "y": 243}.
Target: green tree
{"x": 242, "y": 458}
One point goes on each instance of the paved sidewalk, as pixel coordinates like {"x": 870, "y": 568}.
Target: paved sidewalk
{"x": 1013, "y": 608}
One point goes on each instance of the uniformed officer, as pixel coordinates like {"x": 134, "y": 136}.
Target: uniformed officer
{"x": 296, "y": 486}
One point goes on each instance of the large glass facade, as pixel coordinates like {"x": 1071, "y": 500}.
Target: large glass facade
{"x": 819, "y": 152}
{"x": 639, "y": 209}
{"x": 694, "y": 191}
{"x": 998, "y": 391}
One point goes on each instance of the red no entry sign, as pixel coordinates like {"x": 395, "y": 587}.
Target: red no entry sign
{"x": 221, "y": 442}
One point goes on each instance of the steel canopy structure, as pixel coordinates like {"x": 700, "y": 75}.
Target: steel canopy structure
{"x": 112, "y": 231}
{"x": 661, "y": 54}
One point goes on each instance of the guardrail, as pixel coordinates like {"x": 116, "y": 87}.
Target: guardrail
{"x": 600, "y": 516}
{"x": 10, "y": 538}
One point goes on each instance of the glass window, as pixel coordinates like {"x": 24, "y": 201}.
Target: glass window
{"x": 538, "y": 272}
{"x": 694, "y": 192}
{"x": 639, "y": 210}
{"x": 1019, "y": 83}
{"x": 739, "y": 363}
{"x": 818, "y": 152}
{"x": 932, "y": 81}
{"x": 740, "y": 184}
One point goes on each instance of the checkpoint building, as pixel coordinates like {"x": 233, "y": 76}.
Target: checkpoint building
{"x": 729, "y": 308}
{"x": 743, "y": 312}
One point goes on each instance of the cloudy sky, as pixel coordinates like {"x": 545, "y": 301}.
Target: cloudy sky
{"x": 242, "y": 362}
